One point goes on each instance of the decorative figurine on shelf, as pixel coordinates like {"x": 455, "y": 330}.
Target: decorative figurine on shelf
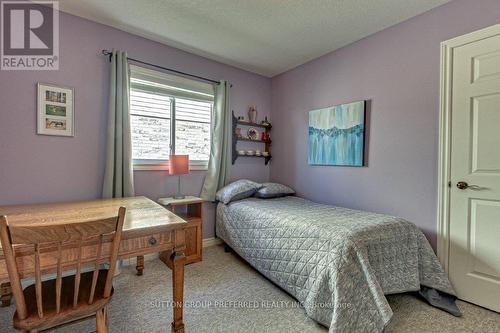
{"x": 252, "y": 114}
{"x": 263, "y": 137}
{"x": 265, "y": 122}
{"x": 253, "y": 134}
{"x": 238, "y": 132}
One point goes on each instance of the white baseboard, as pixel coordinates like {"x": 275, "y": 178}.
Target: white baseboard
{"x": 152, "y": 256}
{"x": 211, "y": 241}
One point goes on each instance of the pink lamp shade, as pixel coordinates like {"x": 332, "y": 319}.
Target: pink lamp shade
{"x": 178, "y": 164}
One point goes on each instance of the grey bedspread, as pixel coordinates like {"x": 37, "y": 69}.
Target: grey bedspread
{"x": 337, "y": 262}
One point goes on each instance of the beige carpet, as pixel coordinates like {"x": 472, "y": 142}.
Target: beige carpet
{"x": 214, "y": 288}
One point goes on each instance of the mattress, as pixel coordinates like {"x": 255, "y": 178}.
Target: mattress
{"x": 338, "y": 263}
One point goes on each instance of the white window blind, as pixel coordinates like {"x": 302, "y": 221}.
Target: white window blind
{"x": 150, "y": 123}
{"x": 169, "y": 114}
{"x": 192, "y": 128}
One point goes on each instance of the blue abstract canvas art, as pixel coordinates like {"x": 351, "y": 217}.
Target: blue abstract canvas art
{"x": 337, "y": 135}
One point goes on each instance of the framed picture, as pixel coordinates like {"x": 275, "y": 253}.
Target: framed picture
{"x": 55, "y": 110}
{"x": 337, "y": 135}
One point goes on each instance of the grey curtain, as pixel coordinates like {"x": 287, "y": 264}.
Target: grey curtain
{"x": 219, "y": 165}
{"x": 118, "y": 175}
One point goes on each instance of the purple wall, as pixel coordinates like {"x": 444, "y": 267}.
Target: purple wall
{"x": 36, "y": 168}
{"x": 398, "y": 71}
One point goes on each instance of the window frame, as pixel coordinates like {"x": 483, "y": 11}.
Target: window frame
{"x": 196, "y": 95}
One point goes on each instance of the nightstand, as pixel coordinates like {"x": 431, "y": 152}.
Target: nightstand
{"x": 189, "y": 209}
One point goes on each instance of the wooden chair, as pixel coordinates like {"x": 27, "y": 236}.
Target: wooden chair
{"x": 62, "y": 300}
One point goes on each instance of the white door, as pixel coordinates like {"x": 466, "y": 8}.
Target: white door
{"x": 474, "y": 257}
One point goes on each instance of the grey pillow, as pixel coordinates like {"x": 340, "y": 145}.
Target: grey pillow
{"x": 273, "y": 190}
{"x": 237, "y": 190}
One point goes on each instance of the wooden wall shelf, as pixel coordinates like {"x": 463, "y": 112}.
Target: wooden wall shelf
{"x": 267, "y": 143}
{"x": 247, "y": 123}
{"x": 252, "y": 140}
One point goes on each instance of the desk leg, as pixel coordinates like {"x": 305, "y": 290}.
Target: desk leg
{"x": 140, "y": 265}
{"x": 178, "y": 260}
{"x": 5, "y": 294}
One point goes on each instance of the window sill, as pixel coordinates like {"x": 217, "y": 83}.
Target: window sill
{"x": 164, "y": 167}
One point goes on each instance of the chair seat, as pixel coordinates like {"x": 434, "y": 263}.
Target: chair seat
{"x": 67, "y": 312}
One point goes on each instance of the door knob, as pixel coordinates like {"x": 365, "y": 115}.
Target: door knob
{"x": 464, "y": 186}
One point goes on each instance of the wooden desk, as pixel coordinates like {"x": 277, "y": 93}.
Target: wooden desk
{"x": 148, "y": 228}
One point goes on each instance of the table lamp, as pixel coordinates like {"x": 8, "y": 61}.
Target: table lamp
{"x": 178, "y": 165}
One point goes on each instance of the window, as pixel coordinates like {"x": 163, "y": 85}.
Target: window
{"x": 169, "y": 114}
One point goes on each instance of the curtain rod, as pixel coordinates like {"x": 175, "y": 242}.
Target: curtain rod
{"x": 109, "y": 53}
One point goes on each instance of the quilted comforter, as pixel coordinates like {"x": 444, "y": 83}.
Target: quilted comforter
{"x": 337, "y": 262}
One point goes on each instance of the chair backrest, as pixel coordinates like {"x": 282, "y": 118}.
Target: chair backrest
{"x": 53, "y": 239}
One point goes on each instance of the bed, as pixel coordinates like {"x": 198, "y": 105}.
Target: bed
{"x": 338, "y": 263}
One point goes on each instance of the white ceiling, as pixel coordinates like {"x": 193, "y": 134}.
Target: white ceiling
{"x": 267, "y": 37}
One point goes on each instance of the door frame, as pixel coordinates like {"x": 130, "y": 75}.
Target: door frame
{"x": 444, "y": 152}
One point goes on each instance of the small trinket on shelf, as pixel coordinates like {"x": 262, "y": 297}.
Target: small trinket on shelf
{"x": 265, "y": 122}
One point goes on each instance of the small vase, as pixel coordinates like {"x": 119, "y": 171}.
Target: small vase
{"x": 252, "y": 114}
